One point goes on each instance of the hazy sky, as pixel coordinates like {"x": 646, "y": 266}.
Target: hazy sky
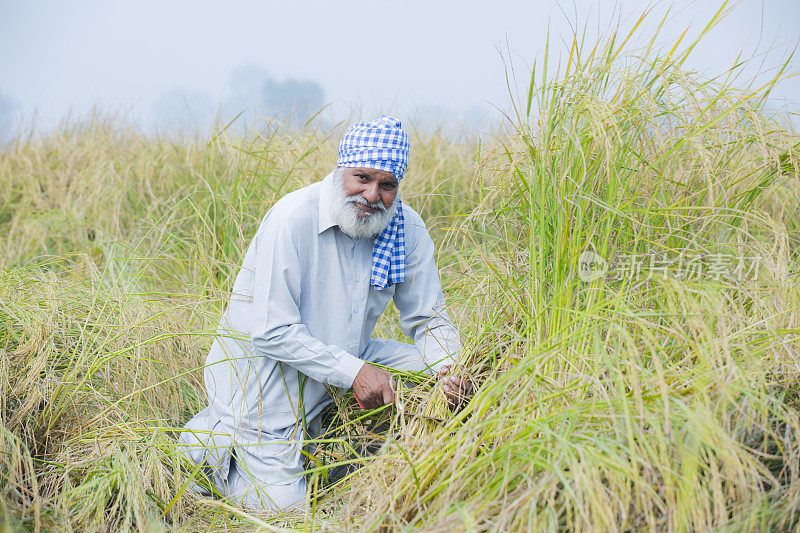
{"x": 57, "y": 57}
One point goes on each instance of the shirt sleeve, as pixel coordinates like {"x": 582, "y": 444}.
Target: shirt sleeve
{"x": 277, "y": 330}
{"x": 423, "y": 315}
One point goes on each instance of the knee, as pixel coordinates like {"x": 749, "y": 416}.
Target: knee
{"x": 288, "y": 497}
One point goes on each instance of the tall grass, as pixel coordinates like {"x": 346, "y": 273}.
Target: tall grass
{"x": 648, "y": 402}
{"x": 643, "y": 401}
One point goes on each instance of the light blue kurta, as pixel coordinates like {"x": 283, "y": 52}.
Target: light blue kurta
{"x": 302, "y": 309}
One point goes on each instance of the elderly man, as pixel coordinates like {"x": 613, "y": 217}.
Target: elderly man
{"x": 321, "y": 269}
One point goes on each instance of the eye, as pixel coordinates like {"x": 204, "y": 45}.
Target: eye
{"x": 388, "y": 186}
{"x": 362, "y": 177}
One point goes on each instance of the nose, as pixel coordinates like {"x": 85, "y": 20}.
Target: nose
{"x": 370, "y": 193}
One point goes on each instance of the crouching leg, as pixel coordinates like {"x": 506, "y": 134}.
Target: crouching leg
{"x": 258, "y": 473}
{"x": 267, "y": 475}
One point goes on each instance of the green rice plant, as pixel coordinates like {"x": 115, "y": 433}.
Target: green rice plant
{"x": 645, "y": 402}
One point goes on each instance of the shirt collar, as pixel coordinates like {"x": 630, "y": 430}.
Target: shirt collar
{"x": 326, "y": 219}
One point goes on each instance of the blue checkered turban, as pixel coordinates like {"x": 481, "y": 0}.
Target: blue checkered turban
{"x": 382, "y": 144}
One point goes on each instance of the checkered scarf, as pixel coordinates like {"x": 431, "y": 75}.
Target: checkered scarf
{"x": 382, "y": 144}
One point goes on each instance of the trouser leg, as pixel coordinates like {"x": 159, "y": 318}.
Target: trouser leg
{"x": 208, "y": 449}
{"x": 268, "y": 475}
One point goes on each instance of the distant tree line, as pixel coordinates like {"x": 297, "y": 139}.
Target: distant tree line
{"x": 252, "y": 95}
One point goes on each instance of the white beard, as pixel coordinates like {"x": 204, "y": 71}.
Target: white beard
{"x": 358, "y": 225}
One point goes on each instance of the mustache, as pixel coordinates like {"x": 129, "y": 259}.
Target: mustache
{"x": 357, "y": 199}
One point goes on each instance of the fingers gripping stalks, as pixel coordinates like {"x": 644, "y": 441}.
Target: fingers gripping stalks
{"x": 374, "y": 387}
{"x": 457, "y": 389}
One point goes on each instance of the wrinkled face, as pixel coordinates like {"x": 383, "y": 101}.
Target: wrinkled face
{"x": 364, "y": 200}
{"x": 372, "y": 185}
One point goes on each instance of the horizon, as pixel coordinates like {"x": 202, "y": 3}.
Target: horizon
{"x": 156, "y": 66}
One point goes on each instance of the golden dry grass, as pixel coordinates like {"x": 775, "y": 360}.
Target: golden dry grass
{"x": 648, "y": 402}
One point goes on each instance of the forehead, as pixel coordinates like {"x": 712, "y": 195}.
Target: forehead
{"x": 374, "y": 173}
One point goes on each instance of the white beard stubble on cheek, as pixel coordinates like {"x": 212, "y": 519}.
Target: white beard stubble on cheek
{"x": 344, "y": 211}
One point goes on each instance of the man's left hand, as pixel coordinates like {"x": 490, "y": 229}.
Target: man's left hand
{"x": 457, "y": 389}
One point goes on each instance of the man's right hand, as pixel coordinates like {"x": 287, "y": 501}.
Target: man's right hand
{"x": 373, "y": 387}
